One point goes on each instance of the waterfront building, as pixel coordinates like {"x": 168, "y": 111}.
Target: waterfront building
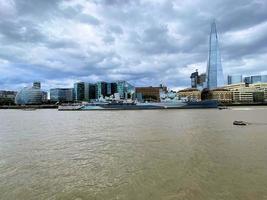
{"x": 29, "y": 95}
{"x": 125, "y": 89}
{"x": 214, "y": 67}
{"x": 233, "y": 79}
{"x": 151, "y": 94}
{"x": 92, "y": 91}
{"x": 101, "y": 89}
{"x": 244, "y": 95}
{"x": 222, "y": 95}
{"x": 7, "y": 97}
{"x": 44, "y": 97}
{"x": 190, "y": 94}
{"x": 111, "y": 89}
{"x": 61, "y": 95}
{"x": 84, "y": 91}
{"x": 244, "y": 92}
{"x": 79, "y": 91}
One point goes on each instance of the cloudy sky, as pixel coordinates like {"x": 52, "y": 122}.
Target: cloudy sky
{"x": 146, "y": 42}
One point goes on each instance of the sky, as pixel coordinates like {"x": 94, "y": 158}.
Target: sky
{"x": 146, "y": 42}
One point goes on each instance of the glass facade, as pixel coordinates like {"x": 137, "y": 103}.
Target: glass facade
{"x": 264, "y": 78}
{"x": 111, "y": 88}
{"x": 101, "y": 89}
{"x": 92, "y": 91}
{"x": 124, "y": 89}
{"x": 234, "y": 79}
{"x": 256, "y": 79}
{"x": 79, "y": 91}
{"x": 214, "y": 67}
{"x": 61, "y": 95}
{"x": 29, "y": 95}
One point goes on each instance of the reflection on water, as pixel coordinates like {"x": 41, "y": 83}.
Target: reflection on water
{"x": 175, "y": 154}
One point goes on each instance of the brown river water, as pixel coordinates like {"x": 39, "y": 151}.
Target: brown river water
{"x": 133, "y": 155}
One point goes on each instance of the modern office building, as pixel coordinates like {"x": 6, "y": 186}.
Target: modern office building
{"x": 234, "y": 79}
{"x": 255, "y": 79}
{"x": 79, "y": 91}
{"x": 7, "y": 97}
{"x": 101, "y": 89}
{"x": 30, "y": 95}
{"x": 214, "y": 67}
{"x": 111, "y": 89}
{"x": 84, "y": 91}
{"x": 92, "y": 91}
{"x": 61, "y": 95}
{"x": 125, "y": 89}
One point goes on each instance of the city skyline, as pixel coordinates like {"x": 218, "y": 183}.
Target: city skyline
{"x": 143, "y": 42}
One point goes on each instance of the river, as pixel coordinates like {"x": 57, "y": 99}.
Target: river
{"x": 133, "y": 155}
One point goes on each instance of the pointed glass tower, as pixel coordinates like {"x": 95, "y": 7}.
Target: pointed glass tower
{"x": 214, "y": 67}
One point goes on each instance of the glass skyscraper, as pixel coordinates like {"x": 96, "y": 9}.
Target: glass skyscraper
{"x": 214, "y": 67}
{"x": 234, "y": 79}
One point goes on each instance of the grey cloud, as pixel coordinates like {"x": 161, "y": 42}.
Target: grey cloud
{"x": 143, "y": 41}
{"x": 88, "y": 19}
{"x": 20, "y": 31}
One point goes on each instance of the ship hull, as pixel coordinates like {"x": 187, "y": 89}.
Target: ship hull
{"x": 142, "y": 106}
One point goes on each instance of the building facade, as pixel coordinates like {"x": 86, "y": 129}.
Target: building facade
{"x": 111, "y": 89}
{"x": 30, "y": 95}
{"x": 222, "y": 95}
{"x": 7, "y": 97}
{"x": 61, "y": 95}
{"x": 214, "y": 67}
{"x": 190, "y": 94}
{"x": 79, "y": 91}
{"x": 151, "y": 94}
{"x": 234, "y": 79}
{"x": 255, "y": 79}
{"x": 125, "y": 89}
{"x": 101, "y": 89}
{"x": 248, "y": 93}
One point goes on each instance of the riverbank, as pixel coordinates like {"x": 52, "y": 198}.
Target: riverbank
{"x": 30, "y": 107}
{"x": 48, "y": 106}
{"x": 243, "y": 104}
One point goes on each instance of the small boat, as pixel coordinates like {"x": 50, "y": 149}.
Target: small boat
{"x": 240, "y": 123}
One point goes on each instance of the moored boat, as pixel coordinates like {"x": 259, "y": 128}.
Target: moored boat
{"x": 141, "y": 106}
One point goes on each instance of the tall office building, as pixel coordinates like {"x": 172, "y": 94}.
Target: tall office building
{"x": 124, "y": 89}
{"x": 92, "y": 91}
{"x": 234, "y": 79}
{"x": 255, "y": 79}
{"x": 79, "y": 91}
{"x": 214, "y": 67}
{"x": 61, "y": 94}
{"x": 111, "y": 88}
{"x": 101, "y": 89}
